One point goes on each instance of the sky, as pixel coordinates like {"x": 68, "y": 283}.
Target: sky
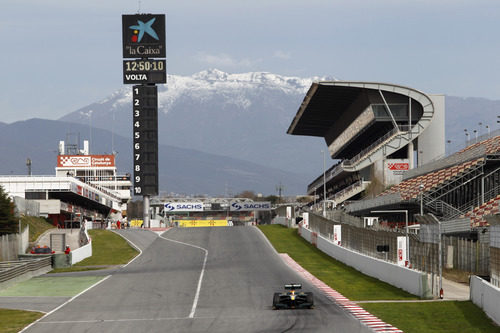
{"x": 59, "y": 56}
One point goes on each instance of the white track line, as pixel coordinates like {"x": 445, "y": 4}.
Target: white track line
{"x": 198, "y": 289}
{"x": 92, "y": 286}
{"x": 68, "y": 301}
{"x": 375, "y": 324}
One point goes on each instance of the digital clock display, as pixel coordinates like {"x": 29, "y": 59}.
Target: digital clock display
{"x": 133, "y": 66}
{"x": 144, "y": 71}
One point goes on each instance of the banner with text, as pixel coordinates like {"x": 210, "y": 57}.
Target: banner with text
{"x": 246, "y": 206}
{"x": 183, "y": 207}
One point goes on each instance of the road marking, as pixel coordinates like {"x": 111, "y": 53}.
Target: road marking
{"x": 135, "y": 320}
{"x": 198, "y": 289}
{"x": 374, "y": 323}
{"x": 60, "y": 306}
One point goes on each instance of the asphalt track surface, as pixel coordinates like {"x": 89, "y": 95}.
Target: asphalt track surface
{"x": 218, "y": 279}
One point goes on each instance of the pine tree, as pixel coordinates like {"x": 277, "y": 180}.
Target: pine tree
{"x": 8, "y": 222}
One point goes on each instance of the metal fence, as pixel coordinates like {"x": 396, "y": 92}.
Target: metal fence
{"x": 459, "y": 253}
{"x": 12, "y": 269}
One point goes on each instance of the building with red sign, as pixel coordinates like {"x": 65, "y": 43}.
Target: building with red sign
{"x": 85, "y": 187}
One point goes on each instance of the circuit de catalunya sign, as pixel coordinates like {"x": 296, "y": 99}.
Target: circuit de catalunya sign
{"x": 245, "y": 206}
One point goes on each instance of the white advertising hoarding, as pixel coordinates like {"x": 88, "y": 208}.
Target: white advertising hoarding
{"x": 183, "y": 207}
{"x": 401, "y": 255}
{"x": 246, "y": 206}
{"x": 337, "y": 234}
{"x": 305, "y": 220}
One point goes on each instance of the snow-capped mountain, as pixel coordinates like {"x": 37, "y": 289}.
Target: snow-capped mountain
{"x": 243, "y": 116}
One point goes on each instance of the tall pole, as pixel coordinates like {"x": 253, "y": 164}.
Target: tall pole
{"x": 421, "y": 199}
{"x": 145, "y": 212}
{"x": 407, "y": 240}
{"x": 324, "y": 184}
{"x": 440, "y": 254}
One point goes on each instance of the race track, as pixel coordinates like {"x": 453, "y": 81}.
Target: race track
{"x": 196, "y": 280}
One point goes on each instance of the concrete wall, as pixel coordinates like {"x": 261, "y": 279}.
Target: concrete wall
{"x": 432, "y": 141}
{"x": 81, "y": 253}
{"x": 414, "y": 282}
{"x": 486, "y": 296}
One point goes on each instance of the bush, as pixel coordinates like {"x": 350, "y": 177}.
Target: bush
{"x": 8, "y": 221}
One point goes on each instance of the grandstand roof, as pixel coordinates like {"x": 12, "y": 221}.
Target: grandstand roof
{"x": 343, "y": 113}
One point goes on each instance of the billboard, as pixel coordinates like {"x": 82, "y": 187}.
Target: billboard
{"x": 143, "y": 36}
{"x": 183, "y": 207}
{"x": 249, "y": 206}
{"x": 337, "y": 234}
{"x": 85, "y": 161}
{"x": 401, "y": 255}
{"x": 201, "y": 223}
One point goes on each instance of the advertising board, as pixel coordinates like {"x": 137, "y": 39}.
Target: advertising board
{"x": 201, "y": 223}
{"x": 183, "y": 207}
{"x": 249, "y": 206}
{"x": 85, "y": 161}
{"x": 143, "y": 36}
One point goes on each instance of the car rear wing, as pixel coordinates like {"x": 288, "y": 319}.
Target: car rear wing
{"x": 293, "y": 286}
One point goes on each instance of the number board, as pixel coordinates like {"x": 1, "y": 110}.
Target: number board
{"x": 145, "y": 134}
{"x": 144, "y": 71}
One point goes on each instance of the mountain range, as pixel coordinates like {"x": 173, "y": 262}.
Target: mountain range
{"x": 219, "y": 133}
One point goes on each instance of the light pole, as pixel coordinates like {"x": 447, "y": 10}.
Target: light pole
{"x": 488, "y": 128}
{"x": 421, "y": 187}
{"x": 324, "y": 183}
{"x": 406, "y": 223}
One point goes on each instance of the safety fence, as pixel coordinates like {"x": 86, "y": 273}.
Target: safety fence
{"x": 415, "y": 282}
{"x": 10, "y": 270}
{"x": 458, "y": 253}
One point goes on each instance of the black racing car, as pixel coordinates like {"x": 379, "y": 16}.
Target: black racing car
{"x": 293, "y": 299}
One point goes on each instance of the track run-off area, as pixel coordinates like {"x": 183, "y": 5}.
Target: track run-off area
{"x": 192, "y": 280}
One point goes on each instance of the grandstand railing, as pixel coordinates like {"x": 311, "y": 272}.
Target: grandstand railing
{"x": 359, "y": 185}
{"x": 469, "y": 206}
{"x": 373, "y": 147}
{"x": 375, "y": 202}
{"x": 458, "y": 158}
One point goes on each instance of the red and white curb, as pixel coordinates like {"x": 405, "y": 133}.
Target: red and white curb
{"x": 358, "y": 312}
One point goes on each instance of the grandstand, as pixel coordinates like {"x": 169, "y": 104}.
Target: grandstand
{"x": 388, "y": 141}
{"x": 375, "y": 131}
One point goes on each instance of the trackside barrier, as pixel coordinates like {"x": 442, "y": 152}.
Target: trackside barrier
{"x": 84, "y": 251}
{"x": 11, "y": 271}
{"x": 81, "y": 253}
{"x": 486, "y": 296}
{"x": 414, "y": 282}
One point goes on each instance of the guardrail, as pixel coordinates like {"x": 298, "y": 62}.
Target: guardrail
{"x": 12, "y": 269}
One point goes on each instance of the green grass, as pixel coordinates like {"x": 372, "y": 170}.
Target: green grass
{"x": 442, "y": 317}
{"x": 346, "y": 280}
{"x": 12, "y": 321}
{"x": 108, "y": 249}
{"x": 37, "y": 225}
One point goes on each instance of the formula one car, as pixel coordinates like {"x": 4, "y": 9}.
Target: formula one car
{"x": 293, "y": 299}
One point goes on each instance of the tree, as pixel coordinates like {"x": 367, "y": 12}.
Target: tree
{"x": 8, "y": 221}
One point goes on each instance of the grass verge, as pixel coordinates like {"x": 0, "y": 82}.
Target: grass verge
{"x": 346, "y": 280}
{"x": 12, "y": 321}
{"x": 37, "y": 226}
{"x": 440, "y": 316}
{"x": 108, "y": 249}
